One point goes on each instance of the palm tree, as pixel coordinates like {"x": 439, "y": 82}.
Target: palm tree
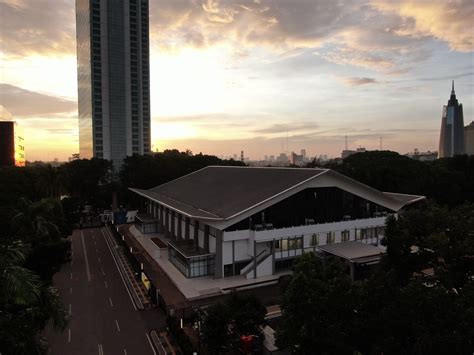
{"x": 26, "y": 305}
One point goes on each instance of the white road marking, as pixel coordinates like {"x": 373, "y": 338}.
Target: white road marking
{"x": 124, "y": 351}
{"x": 116, "y": 323}
{"x": 97, "y": 250}
{"x": 95, "y": 242}
{"x": 99, "y": 259}
{"x": 87, "y": 260}
{"x": 103, "y": 273}
{"x": 69, "y": 336}
{"x": 106, "y": 284}
{"x": 118, "y": 269}
{"x": 70, "y": 309}
{"x": 110, "y": 301}
{"x": 71, "y": 275}
{"x": 101, "y": 350}
{"x": 151, "y": 345}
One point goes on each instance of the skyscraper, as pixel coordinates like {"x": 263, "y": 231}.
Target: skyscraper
{"x": 113, "y": 78}
{"x": 469, "y": 139}
{"x": 451, "y": 140}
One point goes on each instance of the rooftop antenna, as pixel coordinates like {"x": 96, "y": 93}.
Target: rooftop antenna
{"x": 346, "y": 142}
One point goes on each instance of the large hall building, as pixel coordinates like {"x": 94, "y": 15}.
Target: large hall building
{"x": 228, "y": 227}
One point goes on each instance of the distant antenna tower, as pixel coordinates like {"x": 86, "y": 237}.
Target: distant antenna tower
{"x": 346, "y": 142}
{"x": 242, "y": 156}
{"x": 380, "y": 142}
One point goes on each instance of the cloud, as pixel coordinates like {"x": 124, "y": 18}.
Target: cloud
{"x": 25, "y": 103}
{"x": 288, "y": 127}
{"x": 347, "y": 32}
{"x": 449, "y": 21}
{"x": 37, "y": 27}
{"x": 356, "y": 81}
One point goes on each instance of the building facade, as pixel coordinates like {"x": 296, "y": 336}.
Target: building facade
{"x": 469, "y": 139}
{"x": 451, "y": 140}
{"x": 113, "y": 78}
{"x": 252, "y": 222}
{"x": 12, "y": 144}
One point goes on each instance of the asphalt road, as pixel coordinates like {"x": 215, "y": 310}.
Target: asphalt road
{"x": 103, "y": 317}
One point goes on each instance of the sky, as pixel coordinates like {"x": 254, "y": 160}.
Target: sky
{"x": 262, "y": 76}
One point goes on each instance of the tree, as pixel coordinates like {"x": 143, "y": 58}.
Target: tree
{"x": 318, "y": 308}
{"x": 248, "y": 314}
{"x": 215, "y": 331}
{"x": 26, "y": 304}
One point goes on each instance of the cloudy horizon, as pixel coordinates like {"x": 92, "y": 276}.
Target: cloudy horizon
{"x": 263, "y": 76}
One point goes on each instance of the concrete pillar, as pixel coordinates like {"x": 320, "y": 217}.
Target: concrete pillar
{"x": 186, "y": 228}
{"x": 180, "y": 227}
{"x": 206, "y": 238}
{"x": 161, "y": 224}
{"x": 254, "y": 259}
{"x": 218, "y": 262}
{"x": 196, "y": 234}
{"x": 167, "y": 223}
{"x": 173, "y": 226}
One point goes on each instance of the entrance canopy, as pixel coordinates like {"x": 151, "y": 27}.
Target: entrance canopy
{"x": 354, "y": 252}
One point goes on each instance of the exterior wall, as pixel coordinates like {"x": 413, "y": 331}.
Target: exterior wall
{"x": 469, "y": 139}
{"x": 241, "y": 243}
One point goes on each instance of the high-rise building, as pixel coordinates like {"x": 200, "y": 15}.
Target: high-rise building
{"x": 12, "y": 142}
{"x": 469, "y": 139}
{"x": 451, "y": 140}
{"x": 113, "y": 78}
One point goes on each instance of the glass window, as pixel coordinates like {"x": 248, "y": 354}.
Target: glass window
{"x": 330, "y": 237}
{"x": 314, "y": 239}
{"x": 295, "y": 243}
{"x": 345, "y": 235}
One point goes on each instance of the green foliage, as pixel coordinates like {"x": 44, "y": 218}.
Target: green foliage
{"x": 148, "y": 171}
{"x": 318, "y": 308}
{"x": 180, "y": 336}
{"x": 247, "y": 313}
{"x": 26, "y": 303}
{"x": 448, "y": 181}
{"x": 420, "y": 302}
{"x": 215, "y": 330}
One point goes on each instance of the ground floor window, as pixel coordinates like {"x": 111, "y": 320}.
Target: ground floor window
{"x": 345, "y": 235}
{"x": 194, "y": 266}
{"x": 315, "y": 239}
{"x": 330, "y": 237}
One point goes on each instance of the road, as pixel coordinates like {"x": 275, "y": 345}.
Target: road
{"x": 103, "y": 317}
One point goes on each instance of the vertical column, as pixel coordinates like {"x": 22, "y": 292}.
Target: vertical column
{"x": 254, "y": 259}
{"x": 167, "y": 223}
{"x": 218, "y": 263}
{"x": 161, "y": 217}
{"x": 186, "y": 228}
{"x": 173, "y": 225}
{"x": 233, "y": 257}
{"x": 206, "y": 238}
{"x": 273, "y": 256}
{"x": 196, "y": 234}
{"x": 180, "y": 227}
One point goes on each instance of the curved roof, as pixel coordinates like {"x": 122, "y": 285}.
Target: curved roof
{"x": 224, "y": 192}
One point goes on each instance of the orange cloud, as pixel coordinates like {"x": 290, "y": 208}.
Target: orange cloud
{"x": 449, "y": 21}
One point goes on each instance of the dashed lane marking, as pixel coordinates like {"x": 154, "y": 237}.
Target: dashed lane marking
{"x": 111, "y": 303}
{"x": 87, "y": 260}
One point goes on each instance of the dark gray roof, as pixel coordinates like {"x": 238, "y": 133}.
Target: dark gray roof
{"x": 351, "y": 250}
{"x": 221, "y": 192}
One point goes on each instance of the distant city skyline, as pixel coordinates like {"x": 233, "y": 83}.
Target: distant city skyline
{"x": 252, "y": 75}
